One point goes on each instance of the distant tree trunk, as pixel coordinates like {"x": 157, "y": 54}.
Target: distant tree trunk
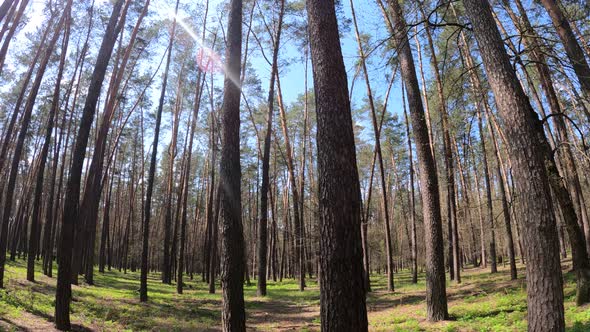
{"x": 233, "y": 316}
{"x": 489, "y": 204}
{"x": 436, "y": 299}
{"x": 544, "y": 282}
{"x": 388, "y": 244}
{"x": 342, "y": 291}
{"x": 197, "y": 105}
{"x": 264, "y": 189}
{"x": 71, "y": 212}
{"x": 166, "y": 257}
{"x": 143, "y": 297}
{"x": 411, "y": 195}
{"x": 20, "y": 141}
{"x": 299, "y": 258}
{"x": 8, "y": 133}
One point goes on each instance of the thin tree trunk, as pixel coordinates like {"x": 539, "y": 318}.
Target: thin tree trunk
{"x": 388, "y": 244}
{"x": 233, "y": 316}
{"x": 71, "y": 212}
{"x": 436, "y": 299}
{"x": 143, "y": 296}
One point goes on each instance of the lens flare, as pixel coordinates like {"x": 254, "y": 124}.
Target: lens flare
{"x": 207, "y": 59}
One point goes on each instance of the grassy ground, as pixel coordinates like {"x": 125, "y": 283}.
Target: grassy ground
{"x": 482, "y": 302}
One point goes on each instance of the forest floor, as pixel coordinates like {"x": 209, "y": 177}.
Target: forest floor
{"x": 482, "y": 302}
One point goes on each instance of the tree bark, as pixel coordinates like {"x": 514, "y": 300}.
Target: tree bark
{"x": 233, "y": 316}
{"x": 544, "y": 282}
{"x": 342, "y": 291}
{"x": 436, "y": 299}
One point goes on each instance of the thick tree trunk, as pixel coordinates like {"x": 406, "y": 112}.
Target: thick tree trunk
{"x": 544, "y": 282}
{"x": 342, "y": 291}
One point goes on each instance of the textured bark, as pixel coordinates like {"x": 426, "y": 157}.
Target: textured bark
{"x": 454, "y": 257}
{"x": 570, "y": 43}
{"x": 233, "y": 317}
{"x": 436, "y": 299}
{"x": 544, "y": 282}
{"x": 342, "y": 291}
{"x": 71, "y": 207}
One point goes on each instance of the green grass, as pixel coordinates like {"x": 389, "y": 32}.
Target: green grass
{"x": 482, "y": 302}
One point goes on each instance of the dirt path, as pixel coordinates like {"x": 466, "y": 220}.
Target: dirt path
{"x": 283, "y": 316}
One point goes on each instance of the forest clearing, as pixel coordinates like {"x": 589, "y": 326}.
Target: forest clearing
{"x": 330, "y": 165}
{"x": 483, "y": 302}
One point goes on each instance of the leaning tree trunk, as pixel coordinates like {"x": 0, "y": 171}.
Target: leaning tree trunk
{"x": 570, "y": 44}
{"x": 436, "y": 299}
{"x": 35, "y": 222}
{"x": 71, "y": 211}
{"x": 388, "y": 241}
{"x": 544, "y": 281}
{"x": 342, "y": 291}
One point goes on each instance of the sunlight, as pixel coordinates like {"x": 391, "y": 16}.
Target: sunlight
{"x": 207, "y": 59}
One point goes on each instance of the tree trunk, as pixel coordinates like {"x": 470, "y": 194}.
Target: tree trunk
{"x": 264, "y": 189}
{"x": 436, "y": 299}
{"x": 143, "y": 297}
{"x": 388, "y": 244}
{"x": 572, "y": 47}
{"x": 233, "y": 315}
{"x": 544, "y": 282}
{"x": 71, "y": 207}
{"x": 342, "y": 291}
{"x": 35, "y": 223}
